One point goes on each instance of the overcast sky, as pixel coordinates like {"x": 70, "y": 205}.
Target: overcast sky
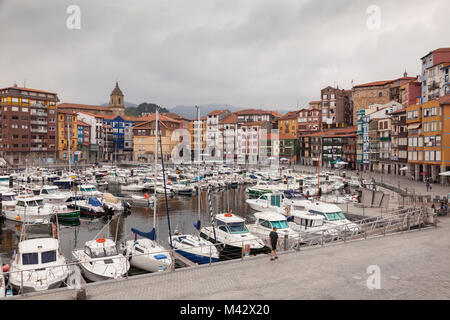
{"x": 248, "y": 53}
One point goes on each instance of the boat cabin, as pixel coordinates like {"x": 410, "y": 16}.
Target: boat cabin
{"x": 100, "y": 248}
{"x": 330, "y": 212}
{"x": 307, "y": 220}
{"x": 30, "y": 201}
{"x": 271, "y": 219}
{"x": 37, "y": 252}
{"x": 88, "y": 188}
{"x": 231, "y": 223}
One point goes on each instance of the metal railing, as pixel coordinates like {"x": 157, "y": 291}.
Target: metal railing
{"x": 398, "y": 221}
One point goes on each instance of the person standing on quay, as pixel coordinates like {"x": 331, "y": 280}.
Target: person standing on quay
{"x": 274, "y": 240}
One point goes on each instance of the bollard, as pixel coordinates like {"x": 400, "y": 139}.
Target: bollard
{"x": 285, "y": 242}
{"x": 323, "y": 231}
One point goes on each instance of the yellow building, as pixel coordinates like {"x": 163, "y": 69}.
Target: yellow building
{"x": 428, "y": 139}
{"x": 288, "y": 123}
{"x": 67, "y": 130}
{"x": 144, "y": 138}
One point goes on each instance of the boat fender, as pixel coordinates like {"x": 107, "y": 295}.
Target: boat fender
{"x": 5, "y": 268}
{"x": 54, "y": 231}
{"x": 228, "y": 215}
{"x": 100, "y": 240}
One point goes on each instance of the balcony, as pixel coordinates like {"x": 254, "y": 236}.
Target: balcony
{"x": 38, "y": 130}
{"x": 38, "y": 149}
{"x": 38, "y": 113}
{"x": 38, "y": 122}
{"x": 38, "y": 105}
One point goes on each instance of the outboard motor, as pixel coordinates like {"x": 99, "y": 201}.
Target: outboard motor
{"x": 126, "y": 206}
{"x": 108, "y": 210}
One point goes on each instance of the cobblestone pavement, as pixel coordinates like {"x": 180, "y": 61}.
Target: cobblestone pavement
{"x": 413, "y": 265}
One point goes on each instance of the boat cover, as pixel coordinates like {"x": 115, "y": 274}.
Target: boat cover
{"x": 94, "y": 202}
{"x": 149, "y": 235}
{"x": 197, "y": 225}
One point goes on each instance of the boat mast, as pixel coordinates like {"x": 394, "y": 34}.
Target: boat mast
{"x": 165, "y": 191}
{"x": 199, "y": 149}
{"x": 156, "y": 169}
{"x": 318, "y": 168}
{"x": 68, "y": 143}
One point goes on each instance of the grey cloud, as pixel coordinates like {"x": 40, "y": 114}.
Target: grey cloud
{"x": 241, "y": 52}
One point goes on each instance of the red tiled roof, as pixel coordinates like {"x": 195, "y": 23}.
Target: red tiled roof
{"x": 290, "y": 115}
{"x": 373, "y": 84}
{"x": 28, "y": 89}
{"x": 399, "y": 111}
{"x": 81, "y": 123}
{"x": 232, "y": 118}
{"x": 444, "y": 99}
{"x": 315, "y": 102}
{"x": 217, "y": 112}
{"x": 258, "y": 111}
{"x": 92, "y": 114}
{"x": 67, "y": 105}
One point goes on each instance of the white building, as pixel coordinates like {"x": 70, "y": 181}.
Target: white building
{"x": 96, "y": 134}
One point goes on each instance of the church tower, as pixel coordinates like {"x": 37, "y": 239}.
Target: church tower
{"x": 116, "y": 102}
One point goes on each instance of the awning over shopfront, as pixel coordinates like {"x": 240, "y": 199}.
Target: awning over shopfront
{"x": 413, "y": 126}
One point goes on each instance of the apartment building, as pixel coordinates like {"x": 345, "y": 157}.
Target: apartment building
{"x": 379, "y": 92}
{"x": 144, "y": 138}
{"x": 213, "y": 147}
{"x": 433, "y": 73}
{"x": 399, "y": 145}
{"x": 336, "y": 107}
{"x": 68, "y": 138}
{"x": 28, "y": 134}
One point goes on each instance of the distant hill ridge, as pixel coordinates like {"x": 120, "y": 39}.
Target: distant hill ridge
{"x": 188, "y": 112}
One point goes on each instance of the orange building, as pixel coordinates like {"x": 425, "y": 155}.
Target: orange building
{"x": 429, "y": 140}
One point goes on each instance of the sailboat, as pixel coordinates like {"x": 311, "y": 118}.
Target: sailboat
{"x": 146, "y": 253}
{"x": 191, "y": 246}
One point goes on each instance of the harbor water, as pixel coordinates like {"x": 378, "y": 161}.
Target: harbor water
{"x": 183, "y": 212}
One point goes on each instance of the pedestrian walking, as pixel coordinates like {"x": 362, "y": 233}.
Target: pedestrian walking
{"x": 274, "y": 241}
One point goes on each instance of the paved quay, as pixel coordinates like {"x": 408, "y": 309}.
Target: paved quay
{"x": 413, "y": 265}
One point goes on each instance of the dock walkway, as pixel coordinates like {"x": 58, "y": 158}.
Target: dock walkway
{"x": 413, "y": 265}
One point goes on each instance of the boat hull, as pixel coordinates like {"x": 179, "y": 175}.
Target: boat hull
{"x": 228, "y": 251}
{"x": 200, "y": 259}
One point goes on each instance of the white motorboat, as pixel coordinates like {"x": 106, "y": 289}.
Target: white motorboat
{"x": 354, "y": 182}
{"x": 148, "y": 255}
{"x": 9, "y": 200}
{"x": 4, "y": 181}
{"x": 305, "y": 222}
{"x": 266, "y": 221}
{"x": 89, "y": 190}
{"x": 29, "y": 208}
{"x": 52, "y": 194}
{"x": 132, "y": 187}
{"x": 267, "y": 202}
{"x": 195, "y": 248}
{"x": 333, "y": 215}
{"x": 91, "y": 208}
{"x": 112, "y": 204}
{"x": 100, "y": 260}
{"x": 38, "y": 263}
{"x": 232, "y": 235}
